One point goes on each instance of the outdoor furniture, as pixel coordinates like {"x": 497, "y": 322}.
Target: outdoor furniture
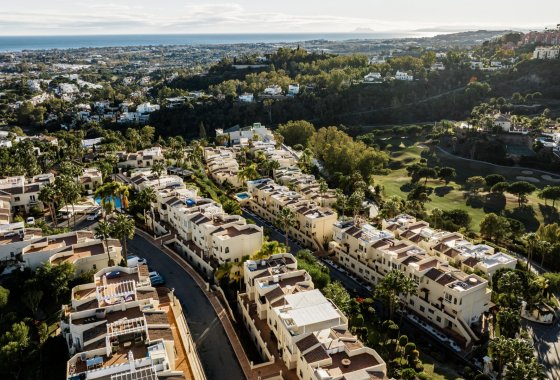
{"x": 94, "y": 362}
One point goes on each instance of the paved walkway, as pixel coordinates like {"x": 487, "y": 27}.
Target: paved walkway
{"x": 261, "y": 373}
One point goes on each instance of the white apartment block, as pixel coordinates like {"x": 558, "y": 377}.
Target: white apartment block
{"x": 241, "y": 135}
{"x": 403, "y": 75}
{"x": 451, "y": 247}
{"x": 546, "y": 52}
{"x": 24, "y": 192}
{"x": 314, "y": 224}
{"x": 310, "y": 333}
{"x": 203, "y": 231}
{"x": 222, "y": 164}
{"x": 273, "y": 90}
{"x": 306, "y": 185}
{"x": 141, "y": 159}
{"x": 144, "y": 179}
{"x": 448, "y": 298}
{"x": 293, "y": 89}
{"x": 29, "y": 249}
{"x": 119, "y": 327}
{"x": 373, "y": 77}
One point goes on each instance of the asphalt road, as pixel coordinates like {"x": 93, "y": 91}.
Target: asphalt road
{"x": 546, "y": 340}
{"x": 216, "y": 354}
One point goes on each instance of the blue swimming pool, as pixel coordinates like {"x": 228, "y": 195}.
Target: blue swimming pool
{"x": 242, "y": 196}
{"x": 116, "y": 201}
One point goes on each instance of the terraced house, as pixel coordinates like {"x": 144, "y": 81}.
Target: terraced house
{"x": 294, "y": 323}
{"x": 207, "y": 235}
{"x": 448, "y": 298}
{"x": 222, "y": 165}
{"x": 314, "y": 224}
{"x": 120, "y": 327}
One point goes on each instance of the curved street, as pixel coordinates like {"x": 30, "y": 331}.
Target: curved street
{"x": 216, "y": 354}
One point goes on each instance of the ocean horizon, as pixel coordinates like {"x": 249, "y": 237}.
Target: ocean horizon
{"x": 21, "y": 43}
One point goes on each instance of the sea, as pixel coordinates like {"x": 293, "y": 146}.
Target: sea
{"x": 21, "y": 43}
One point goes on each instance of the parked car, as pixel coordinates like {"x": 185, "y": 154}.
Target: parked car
{"x": 113, "y": 274}
{"x": 30, "y": 220}
{"x": 156, "y": 279}
{"x": 133, "y": 261}
{"x": 94, "y": 214}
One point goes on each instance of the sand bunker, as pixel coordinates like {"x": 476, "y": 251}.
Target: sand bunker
{"x": 527, "y": 172}
{"x": 528, "y": 179}
{"x": 546, "y": 177}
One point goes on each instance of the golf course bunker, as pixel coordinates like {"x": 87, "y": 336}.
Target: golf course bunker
{"x": 546, "y": 177}
{"x": 528, "y": 179}
{"x": 527, "y": 172}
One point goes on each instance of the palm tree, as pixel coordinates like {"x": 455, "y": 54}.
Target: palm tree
{"x": 123, "y": 229}
{"x": 323, "y": 188}
{"x": 145, "y": 198}
{"x": 393, "y": 287}
{"x": 248, "y": 173}
{"x": 103, "y": 231}
{"x": 531, "y": 241}
{"x": 341, "y": 201}
{"x": 106, "y": 193}
{"x": 49, "y": 194}
{"x": 158, "y": 168}
{"x": 123, "y": 191}
{"x": 286, "y": 220}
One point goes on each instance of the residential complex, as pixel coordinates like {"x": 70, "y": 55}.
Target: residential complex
{"x": 447, "y": 297}
{"x": 313, "y": 225}
{"x": 120, "y": 327}
{"x": 547, "y": 52}
{"x": 294, "y": 323}
{"x": 141, "y": 159}
{"x": 241, "y": 135}
{"x": 222, "y": 165}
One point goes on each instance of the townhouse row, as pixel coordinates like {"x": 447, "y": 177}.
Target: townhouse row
{"x": 452, "y": 300}
{"x": 200, "y": 228}
{"x": 120, "y": 327}
{"x": 295, "y": 324}
{"x": 313, "y": 225}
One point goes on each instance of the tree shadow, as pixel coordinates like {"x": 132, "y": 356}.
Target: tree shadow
{"x": 550, "y": 214}
{"x": 396, "y": 165}
{"x": 408, "y": 187}
{"x": 526, "y": 215}
{"x": 494, "y": 202}
{"x": 475, "y": 201}
{"x": 442, "y": 191}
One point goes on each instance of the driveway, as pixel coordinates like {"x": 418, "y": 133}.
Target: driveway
{"x": 216, "y": 354}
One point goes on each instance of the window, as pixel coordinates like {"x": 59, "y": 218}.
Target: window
{"x": 32, "y": 198}
{"x": 227, "y": 249}
{"x": 448, "y": 297}
{"x": 411, "y": 302}
{"x": 431, "y": 311}
{"x": 422, "y": 309}
{"x": 16, "y": 199}
{"x": 438, "y": 319}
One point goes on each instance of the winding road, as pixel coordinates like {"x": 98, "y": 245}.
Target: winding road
{"x": 216, "y": 354}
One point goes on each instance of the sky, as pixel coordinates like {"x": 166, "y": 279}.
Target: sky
{"x": 82, "y": 17}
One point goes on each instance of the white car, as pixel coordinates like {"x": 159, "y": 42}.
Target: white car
{"x": 133, "y": 261}
{"x": 94, "y": 214}
{"x": 30, "y": 220}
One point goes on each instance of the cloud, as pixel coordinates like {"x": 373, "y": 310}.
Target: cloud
{"x": 106, "y": 17}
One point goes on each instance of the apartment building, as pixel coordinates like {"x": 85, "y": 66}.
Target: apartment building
{"x": 28, "y": 248}
{"x": 203, "y": 231}
{"x": 448, "y": 298}
{"x": 305, "y": 330}
{"x": 314, "y": 224}
{"x": 120, "y": 327}
{"x": 24, "y": 192}
{"x": 451, "y": 247}
{"x": 284, "y": 157}
{"x": 306, "y": 185}
{"x": 547, "y": 52}
{"x": 222, "y": 165}
{"x": 141, "y": 159}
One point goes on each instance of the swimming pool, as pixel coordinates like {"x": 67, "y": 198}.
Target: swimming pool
{"x": 242, "y": 196}
{"x": 116, "y": 201}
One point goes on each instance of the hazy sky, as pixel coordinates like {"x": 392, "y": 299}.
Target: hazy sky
{"x": 38, "y": 17}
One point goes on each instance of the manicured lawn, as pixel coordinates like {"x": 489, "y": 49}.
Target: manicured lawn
{"x": 452, "y": 196}
{"x": 438, "y": 371}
